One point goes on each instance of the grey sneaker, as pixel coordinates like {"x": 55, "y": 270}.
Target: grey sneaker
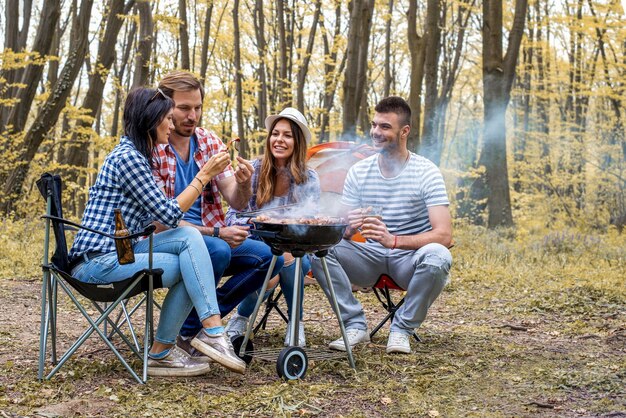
{"x": 398, "y": 342}
{"x": 177, "y": 363}
{"x": 219, "y": 349}
{"x": 301, "y": 338}
{"x": 185, "y": 345}
{"x": 355, "y": 336}
{"x": 236, "y": 326}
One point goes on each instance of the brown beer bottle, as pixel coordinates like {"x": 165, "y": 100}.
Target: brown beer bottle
{"x": 124, "y": 247}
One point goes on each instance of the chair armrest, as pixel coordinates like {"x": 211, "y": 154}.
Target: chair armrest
{"x": 146, "y": 231}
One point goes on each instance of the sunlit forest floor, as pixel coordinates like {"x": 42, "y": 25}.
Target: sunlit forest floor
{"x": 528, "y": 326}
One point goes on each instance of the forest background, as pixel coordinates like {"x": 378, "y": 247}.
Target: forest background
{"x": 520, "y": 103}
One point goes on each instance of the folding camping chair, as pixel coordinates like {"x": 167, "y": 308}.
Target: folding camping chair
{"x": 57, "y": 272}
{"x": 382, "y": 289}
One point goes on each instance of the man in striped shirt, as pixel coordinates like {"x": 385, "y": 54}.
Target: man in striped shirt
{"x": 397, "y": 200}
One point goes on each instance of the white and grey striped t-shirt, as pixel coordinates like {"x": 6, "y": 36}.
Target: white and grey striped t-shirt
{"x": 405, "y": 198}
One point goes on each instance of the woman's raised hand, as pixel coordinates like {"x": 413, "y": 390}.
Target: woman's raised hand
{"x": 216, "y": 164}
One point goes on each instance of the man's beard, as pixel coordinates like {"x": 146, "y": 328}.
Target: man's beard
{"x": 389, "y": 147}
{"x": 185, "y": 130}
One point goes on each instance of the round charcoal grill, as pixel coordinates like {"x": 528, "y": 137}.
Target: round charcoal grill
{"x": 299, "y": 239}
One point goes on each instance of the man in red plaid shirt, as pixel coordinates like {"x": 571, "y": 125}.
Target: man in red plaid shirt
{"x": 176, "y": 164}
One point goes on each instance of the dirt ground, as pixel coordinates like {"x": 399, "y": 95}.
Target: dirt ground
{"x": 477, "y": 359}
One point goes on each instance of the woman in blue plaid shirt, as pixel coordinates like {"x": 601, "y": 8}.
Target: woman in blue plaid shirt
{"x": 125, "y": 181}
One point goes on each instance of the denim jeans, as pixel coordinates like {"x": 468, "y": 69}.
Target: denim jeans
{"x": 287, "y": 282}
{"x": 187, "y": 272}
{"x": 247, "y": 265}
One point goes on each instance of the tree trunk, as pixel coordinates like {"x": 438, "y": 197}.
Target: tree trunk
{"x": 418, "y": 55}
{"x": 32, "y": 74}
{"x": 431, "y": 144}
{"x": 243, "y": 147}
{"x": 356, "y": 65}
{"x": 283, "y": 87}
{"x": 119, "y": 75}
{"x": 387, "y": 82}
{"x": 204, "y": 53}
{"x": 14, "y": 42}
{"x": 49, "y": 113}
{"x": 144, "y": 46}
{"x": 77, "y": 151}
{"x": 498, "y": 77}
{"x": 304, "y": 66}
{"x": 331, "y": 73}
{"x": 184, "y": 35}
{"x": 259, "y": 30}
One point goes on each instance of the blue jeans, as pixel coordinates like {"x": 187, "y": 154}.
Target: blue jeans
{"x": 182, "y": 255}
{"x": 287, "y": 282}
{"x": 247, "y": 264}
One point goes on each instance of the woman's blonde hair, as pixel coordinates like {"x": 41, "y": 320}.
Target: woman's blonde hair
{"x": 296, "y": 164}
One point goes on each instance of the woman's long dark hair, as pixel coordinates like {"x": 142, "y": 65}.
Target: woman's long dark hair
{"x": 144, "y": 110}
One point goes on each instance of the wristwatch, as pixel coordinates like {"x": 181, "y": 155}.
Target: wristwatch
{"x": 216, "y": 231}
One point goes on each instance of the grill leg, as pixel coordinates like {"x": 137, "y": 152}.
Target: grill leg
{"x": 259, "y": 301}
{"x": 294, "y": 320}
{"x": 335, "y": 306}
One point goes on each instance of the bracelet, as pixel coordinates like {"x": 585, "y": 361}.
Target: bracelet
{"x": 198, "y": 178}
{"x": 198, "y": 190}
{"x": 395, "y": 242}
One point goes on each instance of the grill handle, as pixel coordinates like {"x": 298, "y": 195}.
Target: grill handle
{"x": 264, "y": 234}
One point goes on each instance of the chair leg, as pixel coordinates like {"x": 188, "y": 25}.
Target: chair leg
{"x": 130, "y": 324}
{"x": 389, "y": 306}
{"x": 259, "y": 301}
{"x": 271, "y": 304}
{"x": 94, "y": 326}
{"x": 391, "y": 309}
{"x": 45, "y": 322}
{"x": 147, "y": 335}
{"x": 116, "y": 330}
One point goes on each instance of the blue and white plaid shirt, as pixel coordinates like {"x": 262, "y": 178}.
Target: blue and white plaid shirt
{"x": 125, "y": 181}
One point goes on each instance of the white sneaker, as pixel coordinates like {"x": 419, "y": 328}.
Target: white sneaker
{"x": 301, "y": 338}
{"x": 355, "y": 336}
{"x": 236, "y": 326}
{"x": 398, "y": 342}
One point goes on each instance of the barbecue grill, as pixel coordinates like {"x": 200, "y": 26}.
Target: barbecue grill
{"x": 298, "y": 239}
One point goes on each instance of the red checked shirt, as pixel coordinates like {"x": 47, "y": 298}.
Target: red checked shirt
{"x": 164, "y": 174}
